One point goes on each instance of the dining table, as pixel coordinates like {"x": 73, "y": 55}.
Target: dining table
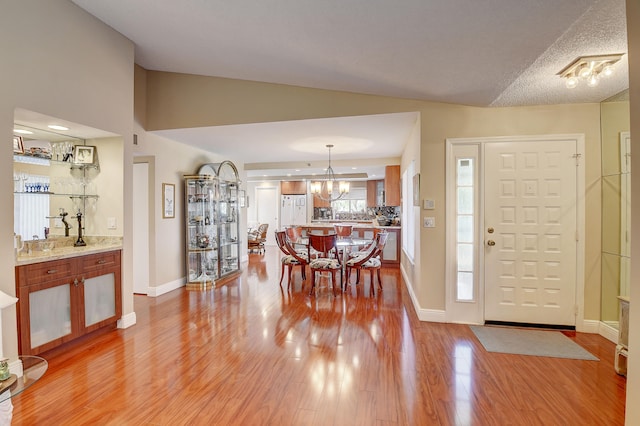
{"x": 343, "y": 244}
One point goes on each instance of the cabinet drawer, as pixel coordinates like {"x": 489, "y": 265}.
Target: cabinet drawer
{"x": 107, "y": 259}
{"x": 39, "y": 273}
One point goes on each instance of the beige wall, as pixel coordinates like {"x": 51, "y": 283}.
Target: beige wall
{"x": 453, "y": 121}
{"x": 59, "y": 61}
{"x": 178, "y": 100}
{"x": 633, "y": 374}
{"x": 172, "y": 161}
{"x": 412, "y": 153}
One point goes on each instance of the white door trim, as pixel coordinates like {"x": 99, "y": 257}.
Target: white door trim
{"x": 477, "y": 314}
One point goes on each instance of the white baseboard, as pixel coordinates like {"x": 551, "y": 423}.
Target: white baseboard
{"x": 608, "y": 332}
{"x": 429, "y": 315}
{"x": 588, "y": 326}
{"x": 127, "y": 320}
{"x": 15, "y": 367}
{"x": 166, "y": 287}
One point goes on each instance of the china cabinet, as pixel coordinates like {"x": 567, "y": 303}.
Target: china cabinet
{"x": 62, "y": 300}
{"x": 212, "y": 213}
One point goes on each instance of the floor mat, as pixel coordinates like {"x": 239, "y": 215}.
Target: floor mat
{"x": 530, "y": 342}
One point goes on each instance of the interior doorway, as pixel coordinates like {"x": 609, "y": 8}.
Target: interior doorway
{"x": 141, "y": 224}
{"x": 267, "y": 210}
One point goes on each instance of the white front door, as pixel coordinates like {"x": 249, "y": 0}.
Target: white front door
{"x": 530, "y": 232}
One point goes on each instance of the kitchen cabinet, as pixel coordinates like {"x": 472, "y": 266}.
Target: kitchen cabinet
{"x": 392, "y": 188}
{"x": 375, "y": 193}
{"x": 293, "y": 188}
{"x": 212, "y": 215}
{"x": 319, "y": 202}
{"x": 62, "y": 300}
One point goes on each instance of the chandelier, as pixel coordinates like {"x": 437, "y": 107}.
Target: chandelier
{"x": 328, "y": 188}
{"x": 589, "y": 69}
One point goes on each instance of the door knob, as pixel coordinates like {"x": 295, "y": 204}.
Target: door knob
{"x": 491, "y": 243}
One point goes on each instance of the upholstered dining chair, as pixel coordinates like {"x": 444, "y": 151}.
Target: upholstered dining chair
{"x": 291, "y": 258}
{"x": 368, "y": 260}
{"x": 257, "y": 238}
{"x": 368, "y": 235}
{"x": 342, "y": 231}
{"x": 327, "y": 260}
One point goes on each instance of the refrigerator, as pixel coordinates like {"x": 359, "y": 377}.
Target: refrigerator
{"x": 293, "y": 210}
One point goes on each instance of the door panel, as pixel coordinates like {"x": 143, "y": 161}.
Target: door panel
{"x": 267, "y": 210}
{"x": 530, "y": 232}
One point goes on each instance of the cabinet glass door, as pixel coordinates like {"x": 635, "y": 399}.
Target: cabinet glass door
{"x": 49, "y": 314}
{"x": 202, "y": 232}
{"x": 229, "y": 214}
{"x": 99, "y": 298}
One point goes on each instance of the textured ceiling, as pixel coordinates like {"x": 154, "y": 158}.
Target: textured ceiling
{"x": 492, "y": 52}
{"x": 483, "y": 53}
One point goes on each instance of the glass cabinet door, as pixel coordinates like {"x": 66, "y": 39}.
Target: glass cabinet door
{"x": 201, "y": 230}
{"x": 49, "y": 314}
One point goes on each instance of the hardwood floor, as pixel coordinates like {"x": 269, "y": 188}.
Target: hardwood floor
{"x": 251, "y": 354}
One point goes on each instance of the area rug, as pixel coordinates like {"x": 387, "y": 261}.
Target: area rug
{"x": 530, "y": 342}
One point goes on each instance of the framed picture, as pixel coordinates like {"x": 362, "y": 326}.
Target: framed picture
{"x": 18, "y": 145}
{"x": 242, "y": 197}
{"x": 416, "y": 189}
{"x": 84, "y": 154}
{"x": 168, "y": 200}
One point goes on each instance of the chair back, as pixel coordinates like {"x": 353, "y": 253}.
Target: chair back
{"x": 262, "y": 231}
{"x": 294, "y": 233}
{"x": 324, "y": 244}
{"x": 373, "y": 250}
{"x": 381, "y": 241}
{"x": 343, "y": 230}
{"x": 281, "y": 241}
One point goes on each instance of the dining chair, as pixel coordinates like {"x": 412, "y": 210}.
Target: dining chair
{"x": 343, "y": 231}
{"x": 363, "y": 250}
{"x": 327, "y": 260}
{"x": 291, "y": 258}
{"x": 369, "y": 260}
{"x": 256, "y": 238}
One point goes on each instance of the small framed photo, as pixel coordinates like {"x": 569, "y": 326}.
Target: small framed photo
{"x": 84, "y": 154}
{"x": 18, "y": 145}
{"x": 168, "y": 200}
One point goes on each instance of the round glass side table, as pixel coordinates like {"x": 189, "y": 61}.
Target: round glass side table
{"x": 33, "y": 368}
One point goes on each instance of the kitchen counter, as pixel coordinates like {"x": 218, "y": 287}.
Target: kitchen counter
{"x": 357, "y": 224}
{"x": 64, "y": 248}
{"x": 391, "y": 253}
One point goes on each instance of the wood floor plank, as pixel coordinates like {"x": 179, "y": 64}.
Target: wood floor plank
{"x": 254, "y": 353}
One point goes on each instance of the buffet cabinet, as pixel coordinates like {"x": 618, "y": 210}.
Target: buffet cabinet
{"x": 212, "y": 226}
{"x": 62, "y": 300}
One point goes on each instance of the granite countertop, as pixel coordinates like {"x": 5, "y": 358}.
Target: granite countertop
{"x": 63, "y": 248}
{"x": 367, "y": 224}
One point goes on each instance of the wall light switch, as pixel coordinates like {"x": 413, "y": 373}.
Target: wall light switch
{"x": 429, "y": 222}
{"x": 111, "y": 223}
{"x": 429, "y": 204}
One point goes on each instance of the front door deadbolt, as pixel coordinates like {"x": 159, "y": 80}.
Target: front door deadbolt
{"x": 490, "y": 230}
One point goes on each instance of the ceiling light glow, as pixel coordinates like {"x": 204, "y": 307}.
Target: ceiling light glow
{"x": 57, "y": 127}
{"x": 22, "y": 131}
{"x": 589, "y": 69}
